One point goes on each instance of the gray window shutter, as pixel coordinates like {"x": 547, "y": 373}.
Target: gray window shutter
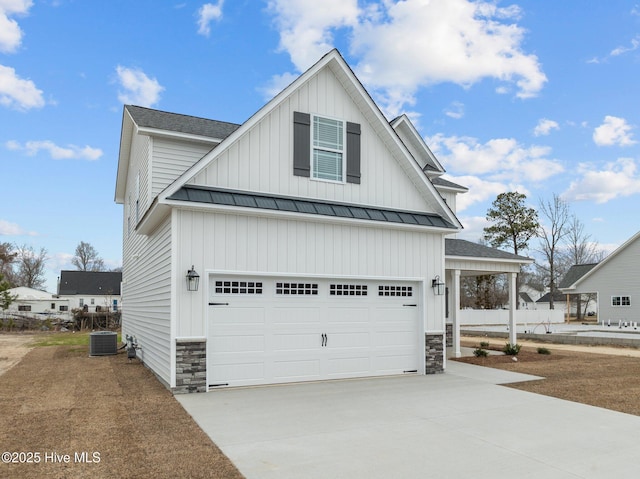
{"x": 353, "y": 153}
{"x": 301, "y": 144}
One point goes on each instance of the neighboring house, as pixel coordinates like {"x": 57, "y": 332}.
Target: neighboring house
{"x": 307, "y": 243}
{"x": 616, "y": 281}
{"x": 34, "y": 301}
{"x": 583, "y": 303}
{"x": 559, "y": 302}
{"x": 93, "y": 291}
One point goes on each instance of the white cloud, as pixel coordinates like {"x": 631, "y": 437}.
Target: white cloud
{"x": 455, "y": 110}
{"x": 208, "y": 13}
{"x": 479, "y": 190}
{"x": 500, "y": 159}
{"x": 18, "y": 93}
{"x": 12, "y": 229}
{"x": 414, "y": 43}
{"x": 473, "y": 227}
{"x": 10, "y": 32}
{"x": 403, "y": 46}
{"x": 277, "y": 84}
{"x": 635, "y": 44}
{"x": 306, "y": 26}
{"x": 545, "y": 126}
{"x": 614, "y": 180}
{"x": 139, "y": 89}
{"x": 56, "y": 152}
{"x": 614, "y": 131}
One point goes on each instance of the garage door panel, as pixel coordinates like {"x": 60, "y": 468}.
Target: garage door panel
{"x": 241, "y": 316}
{"x": 239, "y": 343}
{"x": 296, "y": 342}
{"x": 295, "y": 315}
{"x": 296, "y": 370}
{"x": 275, "y": 337}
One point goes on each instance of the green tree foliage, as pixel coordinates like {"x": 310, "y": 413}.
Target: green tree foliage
{"x": 5, "y": 298}
{"x": 512, "y": 223}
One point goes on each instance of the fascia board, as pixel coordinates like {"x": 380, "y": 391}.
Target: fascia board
{"x": 126, "y": 136}
{"x": 289, "y": 215}
{"x": 158, "y": 133}
{"x": 488, "y": 260}
{"x": 404, "y": 120}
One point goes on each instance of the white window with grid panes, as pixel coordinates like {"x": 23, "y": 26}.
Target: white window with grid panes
{"x": 328, "y": 149}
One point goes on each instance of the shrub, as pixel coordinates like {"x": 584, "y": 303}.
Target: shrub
{"x": 480, "y": 353}
{"x": 484, "y": 345}
{"x": 511, "y": 349}
{"x": 543, "y": 351}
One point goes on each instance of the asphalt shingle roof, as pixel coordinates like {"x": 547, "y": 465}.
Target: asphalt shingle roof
{"x": 314, "y": 207}
{"x": 459, "y": 247}
{"x": 576, "y": 272}
{"x": 441, "y": 182}
{"x": 162, "y": 120}
{"x": 90, "y": 283}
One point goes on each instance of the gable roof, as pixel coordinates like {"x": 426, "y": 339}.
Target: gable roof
{"x": 558, "y": 297}
{"x": 247, "y": 199}
{"x": 334, "y": 61}
{"x": 97, "y": 283}
{"x": 576, "y": 272}
{"x": 404, "y": 123}
{"x": 604, "y": 262}
{"x": 460, "y": 247}
{"x": 163, "y": 120}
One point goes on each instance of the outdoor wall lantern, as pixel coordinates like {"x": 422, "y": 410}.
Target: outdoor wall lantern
{"x": 438, "y": 287}
{"x": 193, "y": 279}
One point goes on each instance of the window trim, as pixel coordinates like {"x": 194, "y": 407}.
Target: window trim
{"x": 312, "y": 149}
{"x": 620, "y": 299}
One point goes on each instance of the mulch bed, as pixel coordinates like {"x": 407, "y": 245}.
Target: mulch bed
{"x": 607, "y": 381}
{"x": 59, "y": 401}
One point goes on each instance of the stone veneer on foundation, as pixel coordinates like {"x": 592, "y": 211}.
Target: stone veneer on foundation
{"x": 191, "y": 366}
{"x": 434, "y": 353}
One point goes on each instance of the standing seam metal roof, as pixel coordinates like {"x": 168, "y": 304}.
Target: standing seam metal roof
{"x": 279, "y": 203}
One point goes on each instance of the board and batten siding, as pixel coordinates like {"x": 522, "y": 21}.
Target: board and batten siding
{"x": 619, "y": 276}
{"x": 262, "y": 158}
{"x": 171, "y": 158}
{"x": 238, "y": 243}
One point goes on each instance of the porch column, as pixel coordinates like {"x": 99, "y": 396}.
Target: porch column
{"x": 455, "y": 311}
{"x": 512, "y": 307}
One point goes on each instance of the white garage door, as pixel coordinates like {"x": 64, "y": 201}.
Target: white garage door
{"x": 277, "y": 330}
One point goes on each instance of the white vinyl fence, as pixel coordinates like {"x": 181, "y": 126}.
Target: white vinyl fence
{"x": 478, "y": 317}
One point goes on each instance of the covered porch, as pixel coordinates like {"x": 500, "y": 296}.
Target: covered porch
{"x": 464, "y": 258}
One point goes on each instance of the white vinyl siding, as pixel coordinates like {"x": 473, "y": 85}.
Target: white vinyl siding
{"x": 243, "y": 243}
{"x": 618, "y": 277}
{"x": 261, "y": 159}
{"x": 171, "y": 158}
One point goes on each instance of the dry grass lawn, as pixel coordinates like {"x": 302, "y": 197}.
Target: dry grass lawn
{"x": 57, "y": 399}
{"x": 603, "y": 380}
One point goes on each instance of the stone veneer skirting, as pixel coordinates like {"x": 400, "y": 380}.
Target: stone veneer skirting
{"x": 449, "y": 332}
{"x": 191, "y": 366}
{"x": 434, "y": 353}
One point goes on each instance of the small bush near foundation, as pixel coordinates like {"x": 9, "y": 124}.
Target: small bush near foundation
{"x": 543, "y": 351}
{"x": 480, "y": 353}
{"x": 484, "y": 345}
{"x": 511, "y": 349}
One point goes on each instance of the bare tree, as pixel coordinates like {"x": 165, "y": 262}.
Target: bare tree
{"x": 7, "y": 258}
{"x": 556, "y": 211}
{"x": 581, "y": 249}
{"x": 87, "y": 258}
{"x": 31, "y": 266}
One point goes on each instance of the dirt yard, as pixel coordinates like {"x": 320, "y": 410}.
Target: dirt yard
{"x": 63, "y": 409}
{"x": 73, "y": 416}
{"x": 12, "y": 348}
{"x": 581, "y": 374}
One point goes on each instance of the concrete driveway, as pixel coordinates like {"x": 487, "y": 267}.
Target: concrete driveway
{"x": 453, "y": 425}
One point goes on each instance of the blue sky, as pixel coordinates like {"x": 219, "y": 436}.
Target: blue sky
{"x": 538, "y": 96}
